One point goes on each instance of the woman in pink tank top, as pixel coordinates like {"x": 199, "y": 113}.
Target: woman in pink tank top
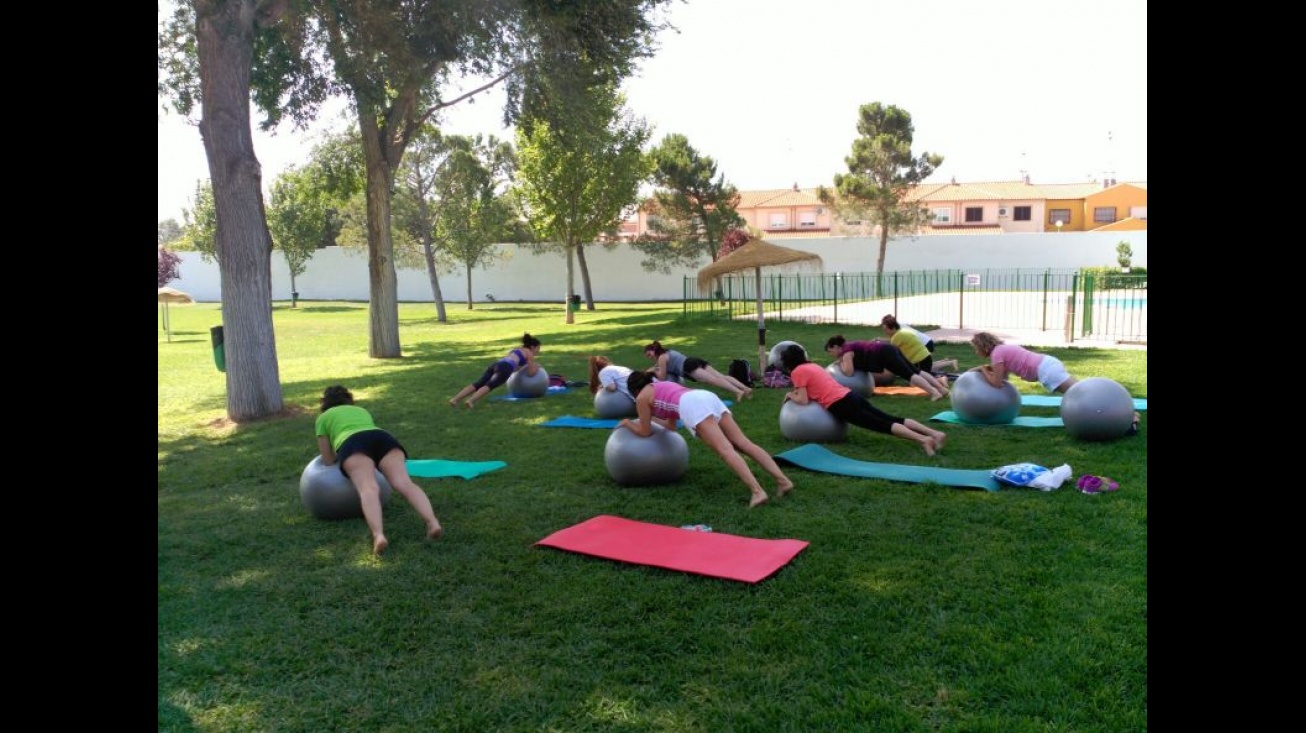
{"x": 707, "y": 419}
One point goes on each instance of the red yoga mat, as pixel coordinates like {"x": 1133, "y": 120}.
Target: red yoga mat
{"x": 714, "y": 554}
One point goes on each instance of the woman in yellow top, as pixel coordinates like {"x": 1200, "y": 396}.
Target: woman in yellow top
{"x": 916, "y": 346}
{"x": 346, "y": 434}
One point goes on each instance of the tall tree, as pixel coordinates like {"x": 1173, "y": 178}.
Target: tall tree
{"x": 206, "y": 61}
{"x": 474, "y": 211}
{"x": 695, "y": 207}
{"x": 881, "y": 173}
{"x": 199, "y": 229}
{"x": 577, "y": 173}
{"x": 300, "y": 221}
{"x": 392, "y": 57}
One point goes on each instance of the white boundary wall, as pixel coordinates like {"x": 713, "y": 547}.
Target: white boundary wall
{"x": 337, "y": 273}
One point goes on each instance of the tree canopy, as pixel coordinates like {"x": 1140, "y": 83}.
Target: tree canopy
{"x": 577, "y": 173}
{"x": 693, "y": 208}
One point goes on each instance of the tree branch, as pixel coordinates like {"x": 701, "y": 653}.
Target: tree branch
{"x": 436, "y": 108}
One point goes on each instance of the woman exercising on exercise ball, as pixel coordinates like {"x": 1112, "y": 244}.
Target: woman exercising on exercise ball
{"x": 498, "y": 372}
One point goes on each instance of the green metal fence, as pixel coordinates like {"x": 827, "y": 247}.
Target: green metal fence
{"x": 1081, "y": 304}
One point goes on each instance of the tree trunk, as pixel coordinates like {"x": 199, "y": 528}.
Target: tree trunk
{"x": 383, "y": 301}
{"x": 429, "y": 251}
{"x": 879, "y": 262}
{"x": 224, "y": 37}
{"x": 471, "y": 304}
{"x": 584, "y": 278}
{"x": 571, "y": 286}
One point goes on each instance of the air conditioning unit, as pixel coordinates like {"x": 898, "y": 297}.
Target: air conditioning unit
{"x": 1002, "y": 211}
{"x": 806, "y": 223}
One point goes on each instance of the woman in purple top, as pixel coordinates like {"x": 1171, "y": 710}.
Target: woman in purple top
{"x": 498, "y": 372}
{"x": 879, "y": 356}
{"x": 1006, "y": 359}
{"x": 709, "y": 420}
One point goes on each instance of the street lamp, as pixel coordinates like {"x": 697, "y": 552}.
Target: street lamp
{"x": 1059, "y": 223}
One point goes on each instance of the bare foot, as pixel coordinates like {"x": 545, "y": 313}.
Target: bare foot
{"x": 748, "y": 394}
{"x": 469, "y": 404}
{"x": 928, "y": 445}
{"x": 379, "y": 544}
{"x": 453, "y": 402}
{"x": 939, "y": 440}
{"x": 784, "y": 487}
{"x": 937, "y": 397}
{"x": 761, "y": 498}
{"x": 434, "y": 530}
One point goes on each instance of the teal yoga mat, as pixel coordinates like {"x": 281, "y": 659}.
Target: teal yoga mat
{"x": 1020, "y": 422}
{"x": 439, "y": 468}
{"x": 818, "y": 458}
{"x": 1054, "y": 400}
{"x": 511, "y": 398}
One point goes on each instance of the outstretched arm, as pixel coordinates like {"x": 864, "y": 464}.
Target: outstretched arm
{"x": 324, "y": 448}
{"x": 643, "y": 426}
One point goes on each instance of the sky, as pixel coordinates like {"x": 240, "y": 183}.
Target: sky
{"x": 770, "y": 90}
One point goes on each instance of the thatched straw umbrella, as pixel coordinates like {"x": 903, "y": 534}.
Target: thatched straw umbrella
{"x": 172, "y": 295}
{"x": 754, "y": 255}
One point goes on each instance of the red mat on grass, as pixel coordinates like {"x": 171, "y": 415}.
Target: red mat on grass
{"x": 714, "y": 554}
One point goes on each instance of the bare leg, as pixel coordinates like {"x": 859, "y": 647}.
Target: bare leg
{"x": 453, "y": 401}
{"x": 362, "y": 473}
{"x": 929, "y": 384}
{"x": 938, "y": 436}
{"x": 742, "y": 443}
{"x": 478, "y": 394}
{"x": 717, "y": 379}
{"x": 709, "y": 431}
{"x": 395, "y": 469}
{"x": 925, "y": 441}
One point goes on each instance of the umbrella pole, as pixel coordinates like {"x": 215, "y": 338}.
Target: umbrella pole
{"x": 761, "y": 325}
{"x": 167, "y": 324}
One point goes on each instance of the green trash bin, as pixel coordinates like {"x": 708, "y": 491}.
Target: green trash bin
{"x": 219, "y": 349}
{"x": 574, "y": 304}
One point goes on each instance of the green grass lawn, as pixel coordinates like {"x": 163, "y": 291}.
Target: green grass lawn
{"x": 916, "y": 607}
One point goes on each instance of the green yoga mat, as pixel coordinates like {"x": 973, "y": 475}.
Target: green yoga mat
{"x": 438, "y": 468}
{"x": 1054, "y": 400}
{"x": 1020, "y": 422}
{"x": 818, "y": 458}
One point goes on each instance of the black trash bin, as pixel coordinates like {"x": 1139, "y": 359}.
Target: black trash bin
{"x": 575, "y": 304}
{"x": 219, "y": 349}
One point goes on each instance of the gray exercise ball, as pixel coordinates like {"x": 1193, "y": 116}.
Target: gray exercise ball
{"x": 773, "y": 359}
{"x": 329, "y": 494}
{"x": 811, "y": 423}
{"x": 1097, "y": 408}
{"x": 631, "y": 460}
{"x": 976, "y": 401}
{"x": 521, "y": 384}
{"x": 610, "y": 405}
{"x": 859, "y": 382}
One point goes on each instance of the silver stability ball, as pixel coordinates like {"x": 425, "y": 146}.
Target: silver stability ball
{"x": 859, "y": 382}
{"x": 610, "y": 405}
{"x": 773, "y": 359}
{"x": 521, "y": 384}
{"x": 328, "y": 493}
{"x": 976, "y": 401}
{"x": 631, "y": 460}
{"x": 1097, "y": 408}
{"x": 811, "y": 423}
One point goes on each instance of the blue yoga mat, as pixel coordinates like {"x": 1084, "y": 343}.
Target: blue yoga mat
{"x": 439, "y": 468}
{"x": 1054, "y": 400}
{"x": 1021, "y": 422}
{"x": 818, "y": 458}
